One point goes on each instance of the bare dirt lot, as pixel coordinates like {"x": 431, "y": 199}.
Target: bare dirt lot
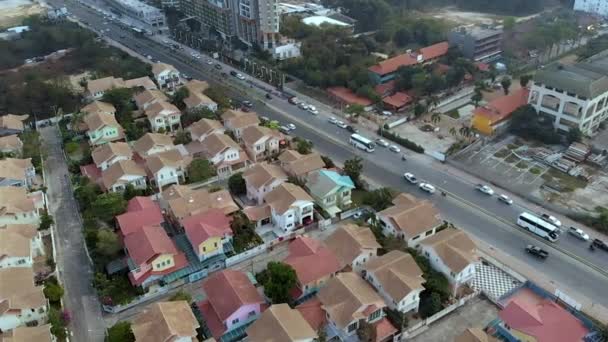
{"x": 459, "y": 17}
{"x": 12, "y": 11}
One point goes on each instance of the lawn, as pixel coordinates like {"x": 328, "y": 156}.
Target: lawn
{"x": 522, "y": 165}
{"x": 357, "y": 197}
{"x": 512, "y": 159}
{"x": 535, "y": 171}
{"x": 502, "y": 153}
{"x": 567, "y": 182}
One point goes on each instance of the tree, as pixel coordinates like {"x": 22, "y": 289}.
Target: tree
{"x": 182, "y": 137}
{"x": 195, "y": 114}
{"x": 281, "y": 280}
{"x": 493, "y": 72}
{"x": 179, "y": 96}
{"x": 379, "y": 199}
{"x": 453, "y": 131}
{"x": 303, "y": 146}
{"x": 71, "y": 147}
{"x": 508, "y": 23}
{"x": 108, "y": 243}
{"x": 524, "y": 80}
{"x": 574, "y": 135}
{"x": 120, "y": 332}
{"x": 53, "y": 291}
{"x": 402, "y": 37}
{"x": 430, "y": 305}
{"x": 353, "y": 168}
{"x": 217, "y": 94}
{"x": 328, "y": 162}
{"x": 57, "y": 324}
{"x": 419, "y": 109}
{"x": 505, "y": 83}
{"x": 46, "y": 221}
{"x": 526, "y": 123}
{"x": 477, "y": 97}
{"x": 435, "y": 117}
{"x": 181, "y": 295}
{"x": 107, "y": 206}
{"x": 200, "y": 170}
{"x": 120, "y": 98}
{"x": 355, "y": 109}
{"x": 245, "y": 236}
{"x": 130, "y": 192}
{"x": 236, "y": 184}
{"x": 366, "y": 332}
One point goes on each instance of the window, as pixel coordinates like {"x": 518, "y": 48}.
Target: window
{"x": 375, "y": 315}
{"x": 235, "y": 321}
{"x": 215, "y": 244}
{"x": 352, "y": 327}
{"x": 428, "y": 233}
{"x": 204, "y": 249}
{"x": 251, "y": 313}
{"x": 158, "y": 265}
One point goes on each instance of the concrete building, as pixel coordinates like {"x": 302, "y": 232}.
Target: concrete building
{"x": 573, "y": 96}
{"x": 145, "y": 13}
{"x": 592, "y": 6}
{"x": 477, "y": 43}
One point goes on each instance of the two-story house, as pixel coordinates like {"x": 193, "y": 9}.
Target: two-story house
{"x": 201, "y": 129}
{"x": 152, "y": 143}
{"x": 410, "y": 219}
{"x": 208, "y": 232}
{"x": 11, "y": 144}
{"x": 348, "y": 300}
{"x": 19, "y": 245}
{"x": 236, "y": 121}
{"x": 262, "y": 178}
{"x": 164, "y": 116}
{"x": 106, "y": 155}
{"x": 290, "y": 207}
{"x": 19, "y": 207}
{"x": 122, "y": 173}
{"x": 98, "y": 107}
{"x": 17, "y": 172}
{"x": 300, "y": 165}
{"x": 148, "y": 97}
{"x": 166, "y": 75}
{"x": 260, "y": 142}
{"x": 12, "y": 124}
{"x": 165, "y": 321}
{"x": 102, "y": 129}
{"x": 168, "y": 167}
{"x": 181, "y": 201}
{"x": 330, "y": 190}
{"x": 281, "y": 323}
{"x": 141, "y": 211}
{"x": 304, "y": 252}
{"x": 226, "y": 155}
{"x": 21, "y": 302}
{"x": 397, "y": 278}
{"x": 452, "y": 252}
{"x": 196, "y": 97}
{"x": 353, "y": 245}
{"x": 97, "y": 88}
{"x": 232, "y": 303}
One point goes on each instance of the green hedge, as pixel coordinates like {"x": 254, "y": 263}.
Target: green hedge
{"x": 401, "y": 141}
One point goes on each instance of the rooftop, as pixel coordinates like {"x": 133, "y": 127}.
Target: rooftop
{"x": 397, "y": 272}
{"x": 262, "y": 174}
{"x": 151, "y": 140}
{"x": 17, "y": 290}
{"x": 280, "y": 323}
{"x": 41, "y": 333}
{"x": 208, "y": 224}
{"x": 318, "y": 20}
{"x": 141, "y": 211}
{"x": 165, "y": 321}
{"x": 111, "y": 150}
{"x": 184, "y": 201}
{"x": 414, "y": 217}
{"x": 304, "y": 252}
{"x": 284, "y": 196}
{"x": 588, "y": 79}
{"x": 502, "y": 107}
{"x": 349, "y": 241}
{"x": 113, "y": 174}
{"x": 454, "y": 247}
{"x": 348, "y": 96}
{"x": 14, "y": 200}
{"x": 296, "y": 164}
{"x": 147, "y": 243}
{"x": 15, "y": 240}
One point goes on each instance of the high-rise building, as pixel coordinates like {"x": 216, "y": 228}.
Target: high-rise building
{"x": 476, "y": 43}
{"x": 592, "y": 6}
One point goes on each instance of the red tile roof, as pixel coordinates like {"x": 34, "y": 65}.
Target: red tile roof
{"x": 305, "y": 252}
{"x": 92, "y": 172}
{"x": 147, "y": 243}
{"x": 434, "y": 51}
{"x": 545, "y": 321}
{"x": 384, "y": 329}
{"x": 501, "y": 108}
{"x": 211, "y": 223}
{"x": 397, "y": 100}
{"x": 385, "y": 89}
{"x": 213, "y": 322}
{"x": 135, "y": 218}
{"x": 348, "y": 96}
{"x": 140, "y": 203}
{"x": 312, "y": 313}
{"x": 407, "y": 59}
{"x": 228, "y": 291}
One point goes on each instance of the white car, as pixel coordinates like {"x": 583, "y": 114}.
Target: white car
{"x": 410, "y": 178}
{"x": 485, "y": 189}
{"x": 311, "y": 107}
{"x": 382, "y": 142}
{"x": 240, "y": 77}
{"x": 394, "y": 148}
{"x": 313, "y": 111}
{"x": 303, "y": 105}
{"x": 332, "y": 120}
{"x": 291, "y": 126}
{"x": 386, "y": 113}
{"x": 427, "y": 187}
{"x": 209, "y": 62}
{"x": 551, "y": 219}
{"x": 341, "y": 124}
{"x": 505, "y": 199}
{"x": 578, "y": 233}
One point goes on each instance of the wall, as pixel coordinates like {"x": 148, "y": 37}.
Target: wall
{"x": 242, "y": 314}
{"x": 208, "y": 247}
{"x": 163, "y": 258}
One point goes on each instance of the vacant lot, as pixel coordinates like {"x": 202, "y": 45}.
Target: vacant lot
{"x": 13, "y": 11}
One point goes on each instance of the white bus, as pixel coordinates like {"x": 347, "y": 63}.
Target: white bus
{"x": 362, "y": 143}
{"x": 538, "y": 226}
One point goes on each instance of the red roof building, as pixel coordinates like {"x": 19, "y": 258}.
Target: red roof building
{"x": 208, "y": 231}
{"x": 141, "y": 211}
{"x": 385, "y": 70}
{"x": 544, "y": 321}
{"x": 347, "y": 97}
{"x": 487, "y": 118}
{"x": 313, "y": 313}
{"x": 397, "y": 102}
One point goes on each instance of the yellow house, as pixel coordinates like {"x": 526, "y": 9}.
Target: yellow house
{"x": 208, "y": 232}
{"x": 494, "y": 116}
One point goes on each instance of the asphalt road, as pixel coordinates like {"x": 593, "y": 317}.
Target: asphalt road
{"x": 477, "y": 213}
{"x": 75, "y": 270}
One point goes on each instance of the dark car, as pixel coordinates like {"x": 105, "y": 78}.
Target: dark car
{"x": 597, "y": 243}
{"x": 537, "y": 251}
{"x": 233, "y": 73}
{"x": 352, "y": 129}
{"x": 268, "y": 96}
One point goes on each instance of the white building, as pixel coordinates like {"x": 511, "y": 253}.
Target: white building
{"x": 123, "y": 173}
{"x": 21, "y": 302}
{"x": 167, "y": 167}
{"x": 260, "y": 142}
{"x": 19, "y": 245}
{"x": 165, "y": 75}
{"x": 163, "y": 115}
{"x": 592, "y": 6}
{"x": 152, "y": 143}
{"x": 106, "y": 155}
{"x": 261, "y": 179}
{"x": 19, "y": 207}
{"x": 225, "y": 154}
{"x": 145, "y": 13}
{"x": 353, "y": 245}
{"x": 290, "y": 207}
{"x": 17, "y": 172}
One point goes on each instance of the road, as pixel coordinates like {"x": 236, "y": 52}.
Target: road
{"x": 572, "y": 265}
{"x": 72, "y": 262}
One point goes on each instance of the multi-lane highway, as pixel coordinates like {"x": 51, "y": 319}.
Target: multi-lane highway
{"x": 571, "y": 263}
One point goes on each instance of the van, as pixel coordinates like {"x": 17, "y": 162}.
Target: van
{"x": 284, "y": 130}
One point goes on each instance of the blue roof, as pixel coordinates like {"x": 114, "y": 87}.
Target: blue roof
{"x": 338, "y": 178}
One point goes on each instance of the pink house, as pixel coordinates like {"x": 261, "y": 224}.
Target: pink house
{"x": 232, "y": 303}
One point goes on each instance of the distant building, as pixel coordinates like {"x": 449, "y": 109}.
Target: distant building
{"x": 494, "y": 117}
{"x": 147, "y": 14}
{"x": 477, "y": 43}
{"x": 599, "y": 7}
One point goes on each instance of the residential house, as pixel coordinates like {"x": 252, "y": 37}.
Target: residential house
{"x": 142, "y": 83}
{"x": 151, "y": 254}
{"x": 201, "y": 129}
{"x": 41, "y": 333}
{"x": 208, "y": 232}
{"x": 259, "y": 215}
{"x": 152, "y": 143}
{"x": 453, "y": 253}
{"x": 475, "y": 335}
{"x": 262, "y": 178}
{"x": 236, "y": 121}
{"x": 343, "y": 96}
{"x": 182, "y": 201}
{"x": 98, "y": 107}
{"x": 106, "y": 155}
{"x": 410, "y": 219}
{"x": 196, "y": 97}
{"x": 494, "y": 117}
{"x": 303, "y": 253}
{"x": 168, "y": 167}
{"x": 122, "y": 173}
{"x": 281, "y": 323}
{"x": 232, "y": 304}
{"x": 313, "y": 313}
{"x": 21, "y": 302}
{"x": 398, "y": 279}
{"x": 164, "y": 116}
{"x": 353, "y": 245}
{"x": 225, "y": 154}
{"x": 330, "y": 190}
{"x": 12, "y": 124}
{"x": 11, "y": 144}
{"x": 290, "y": 207}
{"x": 17, "y": 172}
{"x": 148, "y": 97}
{"x": 97, "y": 88}
{"x": 103, "y": 128}
{"x": 260, "y": 142}
{"x": 166, "y": 75}
{"x": 19, "y": 245}
{"x": 300, "y": 165}
{"x": 165, "y": 321}
{"x": 348, "y": 300}
{"x": 18, "y": 207}
{"x": 141, "y": 211}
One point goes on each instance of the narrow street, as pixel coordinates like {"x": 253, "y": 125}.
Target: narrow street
{"x": 72, "y": 262}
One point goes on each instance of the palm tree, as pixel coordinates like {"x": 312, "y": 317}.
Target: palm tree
{"x": 453, "y": 131}
{"x": 435, "y": 117}
{"x": 465, "y": 131}
{"x": 432, "y": 102}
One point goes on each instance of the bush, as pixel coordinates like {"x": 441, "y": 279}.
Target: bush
{"x": 181, "y": 295}
{"x": 453, "y": 114}
{"x": 401, "y": 141}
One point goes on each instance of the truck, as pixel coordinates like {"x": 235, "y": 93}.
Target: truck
{"x": 597, "y": 243}
{"x": 537, "y": 251}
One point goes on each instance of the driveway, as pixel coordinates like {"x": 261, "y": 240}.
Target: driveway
{"x": 72, "y": 262}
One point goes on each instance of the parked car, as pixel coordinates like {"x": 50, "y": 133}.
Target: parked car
{"x": 352, "y": 129}
{"x": 599, "y": 244}
{"x": 218, "y": 66}
{"x": 293, "y": 100}
{"x": 291, "y": 126}
{"x": 551, "y": 219}
{"x": 410, "y": 178}
{"x": 537, "y": 251}
{"x": 341, "y": 124}
{"x": 312, "y": 110}
{"x": 303, "y": 105}
{"x": 332, "y": 120}
{"x": 247, "y": 104}
{"x": 240, "y": 77}
{"x": 284, "y": 130}
{"x": 264, "y": 119}
{"x": 386, "y": 113}
{"x": 578, "y": 233}
{"x": 427, "y": 187}
{"x": 485, "y": 189}
{"x": 233, "y": 73}
{"x": 381, "y": 142}
{"x": 394, "y": 148}
{"x": 505, "y": 199}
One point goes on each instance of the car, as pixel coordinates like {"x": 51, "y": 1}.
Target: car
{"x": 537, "y": 251}
{"x": 410, "y": 178}
{"x": 293, "y": 100}
{"x": 247, "y": 104}
{"x": 313, "y": 111}
{"x": 291, "y": 126}
{"x": 427, "y": 187}
{"x": 597, "y": 243}
{"x": 505, "y": 199}
{"x": 165, "y": 41}
{"x": 240, "y": 77}
{"x": 381, "y": 142}
{"x": 209, "y": 62}
{"x": 357, "y": 215}
{"x": 332, "y": 120}
{"x": 311, "y": 107}
{"x": 386, "y": 113}
{"x": 394, "y": 148}
{"x": 578, "y": 233}
{"x": 149, "y": 57}
{"x": 268, "y": 96}
{"x": 264, "y": 119}
{"x": 352, "y": 129}
{"x": 485, "y": 189}
{"x": 233, "y": 73}
{"x": 284, "y": 130}
{"x": 551, "y": 219}
{"x": 198, "y": 56}
{"x": 218, "y": 66}
{"x": 303, "y": 105}
{"x": 341, "y": 124}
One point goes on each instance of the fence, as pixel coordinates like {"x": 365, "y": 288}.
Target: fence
{"x": 142, "y": 299}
